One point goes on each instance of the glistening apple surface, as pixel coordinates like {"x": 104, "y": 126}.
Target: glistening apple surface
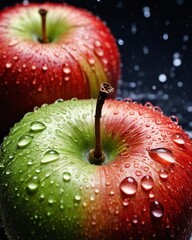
{"x": 50, "y": 190}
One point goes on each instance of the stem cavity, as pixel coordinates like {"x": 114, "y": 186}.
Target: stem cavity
{"x": 96, "y": 155}
{"x": 43, "y": 13}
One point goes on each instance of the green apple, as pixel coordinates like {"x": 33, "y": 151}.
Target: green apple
{"x": 53, "y": 188}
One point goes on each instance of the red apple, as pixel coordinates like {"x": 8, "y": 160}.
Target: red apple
{"x": 65, "y": 53}
{"x": 137, "y": 186}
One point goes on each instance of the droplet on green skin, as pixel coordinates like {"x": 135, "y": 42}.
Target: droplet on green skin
{"x": 37, "y": 126}
{"x": 32, "y": 187}
{"x": 24, "y": 141}
{"x": 66, "y": 176}
{"x": 50, "y": 156}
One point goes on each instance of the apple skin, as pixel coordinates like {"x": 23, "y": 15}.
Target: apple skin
{"x": 49, "y": 190}
{"x": 82, "y": 53}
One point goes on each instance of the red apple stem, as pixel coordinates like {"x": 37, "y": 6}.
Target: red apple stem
{"x": 96, "y": 155}
{"x": 43, "y": 13}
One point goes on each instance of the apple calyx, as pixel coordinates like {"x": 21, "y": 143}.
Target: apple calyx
{"x": 43, "y": 13}
{"x": 96, "y": 155}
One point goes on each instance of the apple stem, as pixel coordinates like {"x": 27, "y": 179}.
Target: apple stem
{"x": 43, "y": 13}
{"x": 96, "y": 155}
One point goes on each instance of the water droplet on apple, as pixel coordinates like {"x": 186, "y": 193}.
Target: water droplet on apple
{"x": 37, "y": 126}
{"x": 178, "y": 139}
{"x": 51, "y": 200}
{"x": 13, "y": 42}
{"x": 97, "y": 190}
{"x": 163, "y": 174}
{"x": 174, "y": 119}
{"x": 128, "y": 186}
{"x": 127, "y": 100}
{"x": 42, "y": 196}
{"x": 162, "y": 155}
{"x": 91, "y": 60}
{"x": 32, "y": 187}
{"x": 30, "y": 161}
{"x": 147, "y": 182}
{"x": 92, "y": 197}
{"x": 158, "y": 109}
{"x": 125, "y": 202}
{"x": 99, "y": 52}
{"x": 77, "y": 197}
{"x": 15, "y": 57}
{"x": 66, "y": 70}
{"x": 135, "y": 219}
{"x": 8, "y": 65}
{"x": 50, "y": 156}
{"x": 45, "y": 67}
{"x": 151, "y": 194}
{"x": 33, "y": 67}
{"x": 59, "y": 100}
{"x": 56, "y": 53}
{"x": 116, "y": 112}
{"x": 157, "y": 209}
{"x": 66, "y": 176}
{"x": 24, "y": 141}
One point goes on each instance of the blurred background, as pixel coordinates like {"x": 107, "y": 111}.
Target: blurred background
{"x": 155, "y": 41}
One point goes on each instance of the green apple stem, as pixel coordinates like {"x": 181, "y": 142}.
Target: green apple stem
{"x": 96, "y": 155}
{"x": 43, "y": 14}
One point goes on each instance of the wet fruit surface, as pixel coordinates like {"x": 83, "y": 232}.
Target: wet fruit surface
{"x": 80, "y": 55}
{"x": 58, "y": 194}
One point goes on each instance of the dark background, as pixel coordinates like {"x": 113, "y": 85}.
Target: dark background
{"x": 155, "y": 42}
{"x": 151, "y": 35}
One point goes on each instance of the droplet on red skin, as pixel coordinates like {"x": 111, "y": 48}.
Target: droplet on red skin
{"x": 157, "y": 209}
{"x": 147, "y": 183}
{"x": 128, "y": 186}
{"x": 162, "y": 155}
{"x": 178, "y": 139}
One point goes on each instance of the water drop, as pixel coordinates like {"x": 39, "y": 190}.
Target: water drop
{"x": 157, "y": 209}
{"x": 56, "y": 54}
{"x": 50, "y": 156}
{"x": 151, "y": 194}
{"x": 116, "y": 112}
{"x": 51, "y": 200}
{"x": 66, "y": 176}
{"x": 37, "y": 126}
{"x": 15, "y": 58}
{"x": 147, "y": 182}
{"x": 33, "y": 67}
{"x": 128, "y": 186}
{"x": 162, "y": 78}
{"x": 77, "y": 197}
{"x": 32, "y": 187}
{"x": 174, "y": 119}
{"x": 30, "y": 161}
{"x": 178, "y": 139}
{"x": 146, "y": 12}
{"x": 163, "y": 174}
{"x": 91, "y": 60}
{"x": 135, "y": 219}
{"x": 13, "y": 42}
{"x": 8, "y": 65}
{"x": 24, "y": 141}
{"x": 120, "y": 42}
{"x": 125, "y": 202}
{"x": 45, "y": 67}
{"x": 162, "y": 155}
{"x": 99, "y": 52}
{"x": 66, "y": 70}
